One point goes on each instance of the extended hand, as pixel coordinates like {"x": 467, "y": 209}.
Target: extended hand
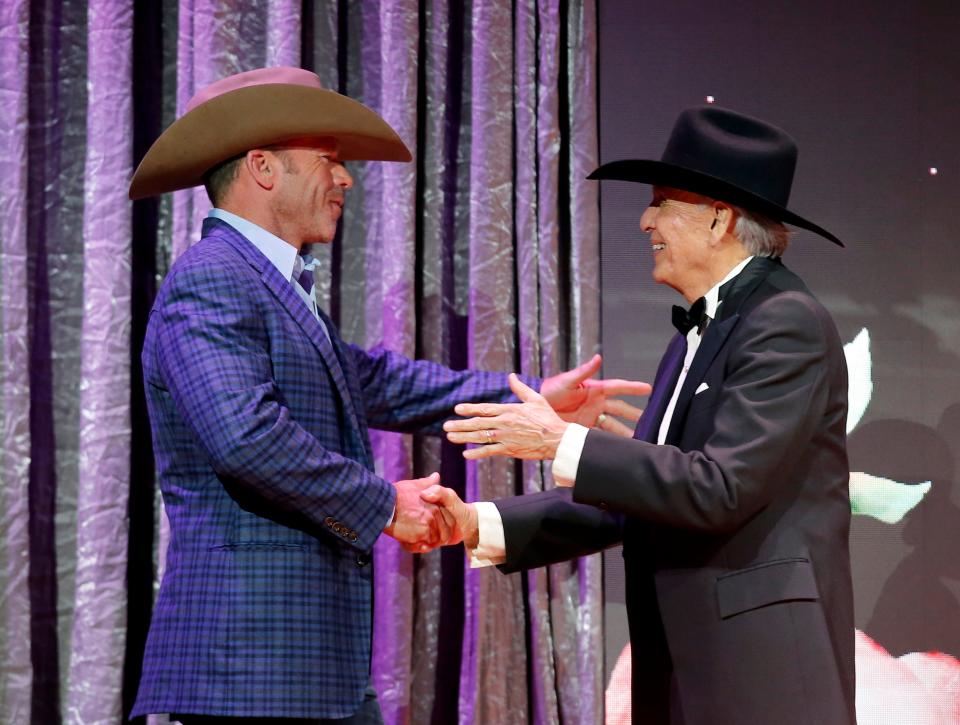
{"x": 578, "y": 398}
{"x": 419, "y": 526}
{"x": 530, "y": 429}
{"x": 464, "y": 515}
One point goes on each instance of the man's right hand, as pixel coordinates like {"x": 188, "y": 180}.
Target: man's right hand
{"x": 463, "y": 515}
{"x": 419, "y": 526}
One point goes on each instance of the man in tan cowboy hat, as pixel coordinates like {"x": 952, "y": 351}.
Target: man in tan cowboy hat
{"x": 730, "y": 498}
{"x": 259, "y": 414}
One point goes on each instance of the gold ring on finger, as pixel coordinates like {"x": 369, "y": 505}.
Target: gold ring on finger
{"x": 600, "y": 418}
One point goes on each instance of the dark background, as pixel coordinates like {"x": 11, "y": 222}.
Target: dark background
{"x": 870, "y": 91}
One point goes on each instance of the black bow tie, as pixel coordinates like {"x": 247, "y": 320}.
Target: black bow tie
{"x": 696, "y": 316}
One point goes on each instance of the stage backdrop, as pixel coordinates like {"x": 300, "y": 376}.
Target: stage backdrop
{"x": 482, "y": 253}
{"x": 869, "y": 91}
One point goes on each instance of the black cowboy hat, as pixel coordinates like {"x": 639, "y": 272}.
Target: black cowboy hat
{"x": 727, "y": 156}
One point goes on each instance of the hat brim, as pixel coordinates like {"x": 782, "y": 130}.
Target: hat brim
{"x": 660, "y": 173}
{"x": 256, "y": 116}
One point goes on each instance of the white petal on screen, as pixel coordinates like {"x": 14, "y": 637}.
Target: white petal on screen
{"x": 883, "y": 499}
{"x": 860, "y": 372}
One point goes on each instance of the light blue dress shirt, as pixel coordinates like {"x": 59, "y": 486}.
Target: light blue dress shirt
{"x": 281, "y": 254}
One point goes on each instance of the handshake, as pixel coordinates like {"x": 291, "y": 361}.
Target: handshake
{"x": 427, "y": 516}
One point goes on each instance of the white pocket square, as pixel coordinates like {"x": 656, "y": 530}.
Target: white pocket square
{"x": 701, "y": 388}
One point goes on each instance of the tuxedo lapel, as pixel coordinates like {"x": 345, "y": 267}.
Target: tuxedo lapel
{"x": 757, "y": 270}
{"x": 716, "y": 335}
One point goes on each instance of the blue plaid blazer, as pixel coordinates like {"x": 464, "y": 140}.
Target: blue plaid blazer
{"x": 260, "y": 431}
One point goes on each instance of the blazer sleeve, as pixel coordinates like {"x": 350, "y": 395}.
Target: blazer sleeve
{"x": 417, "y": 396}
{"x": 212, "y": 354}
{"x": 548, "y": 527}
{"x": 785, "y": 355}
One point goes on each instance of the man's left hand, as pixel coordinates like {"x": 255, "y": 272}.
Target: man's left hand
{"x": 530, "y": 429}
{"x": 578, "y": 398}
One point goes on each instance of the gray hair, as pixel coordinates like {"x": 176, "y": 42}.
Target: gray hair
{"x": 761, "y": 235}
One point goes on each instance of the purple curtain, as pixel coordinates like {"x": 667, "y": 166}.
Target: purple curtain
{"x": 15, "y": 453}
{"x": 96, "y": 647}
{"x": 481, "y": 253}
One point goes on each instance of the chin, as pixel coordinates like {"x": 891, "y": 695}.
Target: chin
{"x": 323, "y": 237}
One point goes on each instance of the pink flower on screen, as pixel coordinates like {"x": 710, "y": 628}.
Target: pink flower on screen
{"x": 919, "y": 688}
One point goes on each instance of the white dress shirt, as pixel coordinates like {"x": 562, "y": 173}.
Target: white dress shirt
{"x": 491, "y": 548}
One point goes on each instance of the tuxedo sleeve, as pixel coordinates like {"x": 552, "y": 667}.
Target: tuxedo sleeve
{"x": 547, "y": 527}
{"x": 417, "y": 396}
{"x": 214, "y": 362}
{"x": 774, "y": 394}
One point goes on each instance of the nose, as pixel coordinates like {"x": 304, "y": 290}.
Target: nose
{"x": 648, "y": 219}
{"x": 342, "y": 178}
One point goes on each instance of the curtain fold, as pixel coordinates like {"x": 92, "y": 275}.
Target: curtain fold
{"x": 97, "y": 642}
{"x": 17, "y": 672}
{"x": 481, "y": 253}
{"x": 391, "y": 322}
{"x": 494, "y": 641}
{"x": 584, "y": 652}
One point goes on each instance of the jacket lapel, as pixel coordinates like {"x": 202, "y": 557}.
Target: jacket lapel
{"x": 716, "y": 335}
{"x": 352, "y": 390}
{"x": 288, "y": 299}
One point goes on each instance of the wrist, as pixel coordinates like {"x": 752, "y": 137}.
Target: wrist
{"x": 393, "y": 513}
{"x": 556, "y": 439}
{"x": 471, "y": 533}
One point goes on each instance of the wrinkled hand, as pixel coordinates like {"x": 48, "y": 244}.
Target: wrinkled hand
{"x": 577, "y": 398}
{"x": 463, "y": 515}
{"x": 419, "y": 526}
{"x": 530, "y": 429}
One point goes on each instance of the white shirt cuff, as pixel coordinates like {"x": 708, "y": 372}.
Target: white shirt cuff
{"x": 491, "y": 549}
{"x": 567, "y": 460}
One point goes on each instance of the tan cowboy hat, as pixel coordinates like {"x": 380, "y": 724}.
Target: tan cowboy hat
{"x": 254, "y": 109}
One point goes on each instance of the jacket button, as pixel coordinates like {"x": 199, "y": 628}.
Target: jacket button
{"x": 329, "y": 521}
{"x": 363, "y": 558}
{"x": 352, "y": 536}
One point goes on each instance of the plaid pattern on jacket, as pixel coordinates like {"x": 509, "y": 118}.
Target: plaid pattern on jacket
{"x": 260, "y": 432}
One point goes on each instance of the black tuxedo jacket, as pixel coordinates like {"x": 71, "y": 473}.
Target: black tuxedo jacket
{"x": 735, "y": 531}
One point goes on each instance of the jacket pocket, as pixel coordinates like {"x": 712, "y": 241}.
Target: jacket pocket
{"x": 782, "y": 580}
{"x": 259, "y": 546}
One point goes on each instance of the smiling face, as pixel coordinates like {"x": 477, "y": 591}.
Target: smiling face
{"x": 683, "y": 243}
{"x": 308, "y": 197}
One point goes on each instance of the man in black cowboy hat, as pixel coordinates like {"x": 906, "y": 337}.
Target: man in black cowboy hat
{"x": 731, "y": 496}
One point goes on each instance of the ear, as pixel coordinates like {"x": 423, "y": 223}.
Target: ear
{"x": 262, "y": 167}
{"x": 724, "y": 220}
